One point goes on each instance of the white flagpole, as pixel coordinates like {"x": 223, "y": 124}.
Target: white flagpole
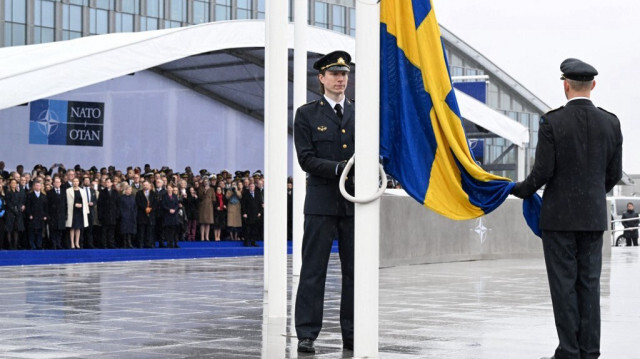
{"x": 275, "y": 129}
{"x": 299, "y": 99}
{"x": 367, "y": 216}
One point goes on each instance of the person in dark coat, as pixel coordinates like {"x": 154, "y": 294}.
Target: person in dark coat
{"x": 127, "y": 213}
{"x": 324, "y": 140}
{"x": 159, "y": 192}
{"x": 579, "y": 159}
{"x": 3, "y": 212}
{"x": 630, "y": 234}
{"x": 170, "y": 221}
{"x": 57, "y": 201}
{"x": 251, "y": 212}
{"x": 37, "y": 215}
{"x": 14, "y": 221}
{"x": 145, "y": 218}
{"x": 219, "y": 213}
{"x": 108, "y": 213}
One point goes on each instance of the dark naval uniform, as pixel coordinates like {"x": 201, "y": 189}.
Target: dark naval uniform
{"x": 579, "y": 159}
{"x": 323, "y": 142}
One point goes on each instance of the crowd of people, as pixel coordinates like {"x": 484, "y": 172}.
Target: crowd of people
{"x": 77, "y": 208}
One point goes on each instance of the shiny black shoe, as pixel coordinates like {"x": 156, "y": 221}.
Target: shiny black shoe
{"x": 306, "y": 346}
{"x": 553, "y": 357}
{"x": 347, "y": 345}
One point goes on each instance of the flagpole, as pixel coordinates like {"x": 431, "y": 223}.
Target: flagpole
{"x": 367, "y": 216}
{"x": 299, "y": 99}
{"x": 275, "y": 129}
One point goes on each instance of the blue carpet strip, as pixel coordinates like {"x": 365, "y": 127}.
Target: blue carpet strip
{"x": 187, "y": 250}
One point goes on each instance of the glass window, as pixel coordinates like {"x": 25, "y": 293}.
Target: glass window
{"x": 352, "y": 21}
{"x": 155, "y": 8}
{"x": 15, "y": 11}
{"x": 524, "y": 119}
{"x": 124, "y": 22}
{"x": 79, "y": 2}
{"x": 107, "y": 4}
{"x": 244, "y": 9}
{"x": 44, "y": 13}
{"x": 148, "y": 23}
{"x": 339, "y": 21}
{"x": 200, "y": 12}
{"x": 131, "y": 6}
{"x": 71, "y": 22}
{"x": 168, "y": 24}
{"x": 223, "y": 10}
{"x": 98, "y": 21}
{"x": 179, "y": 10}
{"x": 261, "y": 10}
{"x": 505, "y": 100}
{"x": 321, "y": 18}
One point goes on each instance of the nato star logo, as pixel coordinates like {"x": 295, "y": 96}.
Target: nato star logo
{"x": 481, "y": 230}
{"x": 48, "y": 122}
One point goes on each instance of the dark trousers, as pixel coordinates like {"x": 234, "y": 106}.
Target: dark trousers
{"x": 56, "y": 238}
{"x": 574, "y": 264}
{"x": 171, "y": 235}
{"x": 108, "y": 233}
{"x": 35, "y": 238}
{"x": 250, "y": 234}
{"x": 87, "y": 234}
{"x": 145, "y": 235}
{"x": 319, "y": 232}
{"x": 632, "y": 238}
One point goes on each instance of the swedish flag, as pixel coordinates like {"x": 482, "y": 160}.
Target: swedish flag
{"x": 423, "y": 144}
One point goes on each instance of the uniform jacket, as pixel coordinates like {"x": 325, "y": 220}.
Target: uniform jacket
{"x": 322, "y": 141}
{"x": 57, "y": 204}
{"x": 36, "y": 207}
{"x": 579, "y": 158}
{"x": 71, "y": 206}
{"x": 632, "y": 233}
{"x": 108, "y": 207}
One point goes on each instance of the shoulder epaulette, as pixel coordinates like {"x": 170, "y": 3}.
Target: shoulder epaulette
{"x": 612, "y": 114}
{"x": 554, "y": 110}
{"x": 310, "y": 103}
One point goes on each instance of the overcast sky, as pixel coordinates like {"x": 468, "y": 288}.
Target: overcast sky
{"x": 529, "y": 40}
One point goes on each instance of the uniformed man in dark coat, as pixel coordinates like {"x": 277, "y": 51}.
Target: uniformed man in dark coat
{"x": 146, "y": 218}
{"x": 57, "y": 203}
{"x": 36, "y": 214}
{"x": 579, "y": 159}
{"x": 324, "y": 140}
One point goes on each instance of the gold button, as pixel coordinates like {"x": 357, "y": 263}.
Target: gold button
{"x": 343, "y": 131}
{"x": 344, "y": 146}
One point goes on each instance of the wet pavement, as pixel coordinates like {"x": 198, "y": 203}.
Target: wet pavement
{"x": 213, "y": 308}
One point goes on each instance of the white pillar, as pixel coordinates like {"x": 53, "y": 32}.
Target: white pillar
{"x": 299, "y": 99}
{"x": 521, "y": 162}
{"x": 367, "y": 216}
{"x": 276, "y": 133}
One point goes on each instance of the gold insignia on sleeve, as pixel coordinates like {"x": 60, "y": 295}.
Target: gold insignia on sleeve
{"x": 322, "y": 128}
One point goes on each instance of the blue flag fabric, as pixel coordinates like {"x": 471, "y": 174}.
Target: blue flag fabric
{"x": 423, "y": 144}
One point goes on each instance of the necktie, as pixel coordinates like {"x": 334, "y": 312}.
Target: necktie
{"x": 57, "y": 190}
{"x": 338, "y": 109}
{"x": 88, "y": 195}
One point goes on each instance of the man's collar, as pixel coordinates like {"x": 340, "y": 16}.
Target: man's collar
{"x": 578, "y": 98}
{"x": 333, "y": 103}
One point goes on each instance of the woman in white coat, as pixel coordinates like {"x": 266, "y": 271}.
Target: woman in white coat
{"x": 77, "y": 213}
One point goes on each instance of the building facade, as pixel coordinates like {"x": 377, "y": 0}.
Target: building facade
{"x": 25, "y": 22}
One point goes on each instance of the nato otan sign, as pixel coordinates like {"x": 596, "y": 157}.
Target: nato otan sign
{"x": 67, "y": 123}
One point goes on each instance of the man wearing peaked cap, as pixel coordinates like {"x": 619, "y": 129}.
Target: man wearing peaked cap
{"x": 579, "y": 159}
{"x": 324, "y": 141}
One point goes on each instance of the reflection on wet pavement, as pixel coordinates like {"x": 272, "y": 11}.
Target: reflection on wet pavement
{"x": 213, "y": 308}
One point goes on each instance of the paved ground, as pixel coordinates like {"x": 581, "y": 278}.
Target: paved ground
{"x": 213, "y": 308}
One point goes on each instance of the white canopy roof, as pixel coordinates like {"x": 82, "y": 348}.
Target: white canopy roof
{"x": 492, "y": 120}
{"x": 39, "y": 71}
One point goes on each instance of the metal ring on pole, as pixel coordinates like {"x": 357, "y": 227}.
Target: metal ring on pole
{"x": 350, "y": 198}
